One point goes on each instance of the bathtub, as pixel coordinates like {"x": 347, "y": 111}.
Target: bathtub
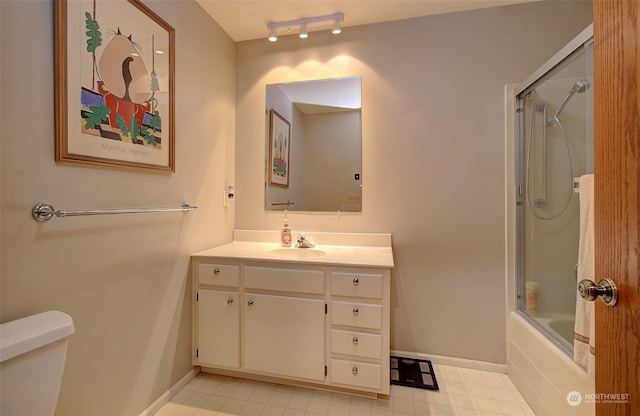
{"x": 542, "y": 371}
{"x": 562, "y": 326}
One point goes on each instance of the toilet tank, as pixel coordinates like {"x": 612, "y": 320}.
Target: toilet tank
{"x": 32, "y": 356}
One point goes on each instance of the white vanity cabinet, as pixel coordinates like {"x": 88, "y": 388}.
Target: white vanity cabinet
{"x": 315, "y": 321}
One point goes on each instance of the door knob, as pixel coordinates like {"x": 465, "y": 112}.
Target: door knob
{"x": 606, "y": 290}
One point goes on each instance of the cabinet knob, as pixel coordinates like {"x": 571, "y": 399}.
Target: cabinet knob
{"x": 355, "y": 340}
{"x": 356, "y": 281}
{"x": 250, "y": 302}
{"x": 216, "y": 271}
{"x": 355, "y": 310}
{"x": 354, "y": 371}
{"x": 229, "y": 301}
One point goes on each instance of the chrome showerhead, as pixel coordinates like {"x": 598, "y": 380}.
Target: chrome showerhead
{"x": 579, "y": 87}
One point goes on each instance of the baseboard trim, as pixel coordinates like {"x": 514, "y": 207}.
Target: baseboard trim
{"x": 167, "y": 395}
{"x": 454, "y": 361}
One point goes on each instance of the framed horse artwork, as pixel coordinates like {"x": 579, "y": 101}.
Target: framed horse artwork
{"x": 114, "y": 90}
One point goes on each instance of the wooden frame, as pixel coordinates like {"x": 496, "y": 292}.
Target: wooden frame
{"x": 114, "y": 85}
{"x": 279, "y": 149}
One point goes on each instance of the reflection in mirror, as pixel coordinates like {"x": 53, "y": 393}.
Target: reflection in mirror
{"x": 314, "y": 146}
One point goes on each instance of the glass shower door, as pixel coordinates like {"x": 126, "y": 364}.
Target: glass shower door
{"x": 555, "y": 151}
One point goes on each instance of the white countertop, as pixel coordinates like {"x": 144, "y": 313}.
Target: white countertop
{"x": 379, "y": 254}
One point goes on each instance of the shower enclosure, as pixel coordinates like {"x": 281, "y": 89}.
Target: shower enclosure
{"x": 555, "y": 148}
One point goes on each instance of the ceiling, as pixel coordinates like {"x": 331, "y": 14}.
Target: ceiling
{"x": 248, "y": 19}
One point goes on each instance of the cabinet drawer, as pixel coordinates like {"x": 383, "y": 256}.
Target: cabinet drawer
{"x": 284, "y": 280}
{"x": 356, "y": 285}
{"x": 357, "y": 344}
{"x": 360, "y": 315}
{"x": 355, "y": 373}
{"x": 219, "y": 274}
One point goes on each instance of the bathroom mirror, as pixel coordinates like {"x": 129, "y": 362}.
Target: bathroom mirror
{"x": 313, "y": 146}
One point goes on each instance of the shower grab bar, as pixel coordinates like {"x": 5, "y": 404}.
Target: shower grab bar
{"x": 543, "y": 201}
{"x": 44, "y": 212}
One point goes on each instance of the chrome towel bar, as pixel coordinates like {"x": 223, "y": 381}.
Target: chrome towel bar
{"x": 44, "y": 212}
{"x": 283, "y": 203}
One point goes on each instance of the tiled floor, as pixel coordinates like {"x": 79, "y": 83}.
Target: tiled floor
{"x": 463, "y": 392}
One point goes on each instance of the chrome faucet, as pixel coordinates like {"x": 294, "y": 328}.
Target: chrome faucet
{"x": 303, "y": 242}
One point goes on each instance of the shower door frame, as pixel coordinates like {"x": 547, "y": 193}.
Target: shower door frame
{"x": 580, "y": 41}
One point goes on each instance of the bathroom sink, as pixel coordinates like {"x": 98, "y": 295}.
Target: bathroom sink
{"x": 297, "y": 253}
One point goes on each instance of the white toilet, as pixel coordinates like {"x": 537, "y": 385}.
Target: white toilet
{"x": 32, "y": 355}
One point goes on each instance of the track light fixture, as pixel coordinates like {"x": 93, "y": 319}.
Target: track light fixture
{"x": 303, "y": 22}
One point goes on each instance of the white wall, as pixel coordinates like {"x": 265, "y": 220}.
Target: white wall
{"x": 123, "y": 279}
{"x": 433, "y": 158}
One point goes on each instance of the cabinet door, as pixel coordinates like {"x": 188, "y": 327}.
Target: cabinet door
{"x": 218, "y": 328}
{"x": 284, "y": 335}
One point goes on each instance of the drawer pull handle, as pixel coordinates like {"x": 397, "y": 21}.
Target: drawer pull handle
{"x": 355, "y": 340}
{"x": 250, "y": 302}
{"x": 356, "y": 281}
{"x": 355, "y": 310}
{"x": 354, "y": 371}
{"x": 229, "y": 301}
{"x": 216, "y": 271}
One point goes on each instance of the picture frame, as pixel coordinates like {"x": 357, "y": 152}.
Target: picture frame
{"x": 114, "y": 85}
{"x": 279, "y": 149}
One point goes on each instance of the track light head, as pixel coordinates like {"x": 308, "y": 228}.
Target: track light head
{"x": 272, "y": 35}
{"x": 336, "y": 28}
{"x": 303, "y": 32}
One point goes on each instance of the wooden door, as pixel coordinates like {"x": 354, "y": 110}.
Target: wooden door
{"x": 617, "y": 203}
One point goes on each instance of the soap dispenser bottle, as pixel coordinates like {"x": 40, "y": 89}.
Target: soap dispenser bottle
{"x": 285, "y": 233}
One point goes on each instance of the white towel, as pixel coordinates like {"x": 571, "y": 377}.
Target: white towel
{"x": 584, "y": 343}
